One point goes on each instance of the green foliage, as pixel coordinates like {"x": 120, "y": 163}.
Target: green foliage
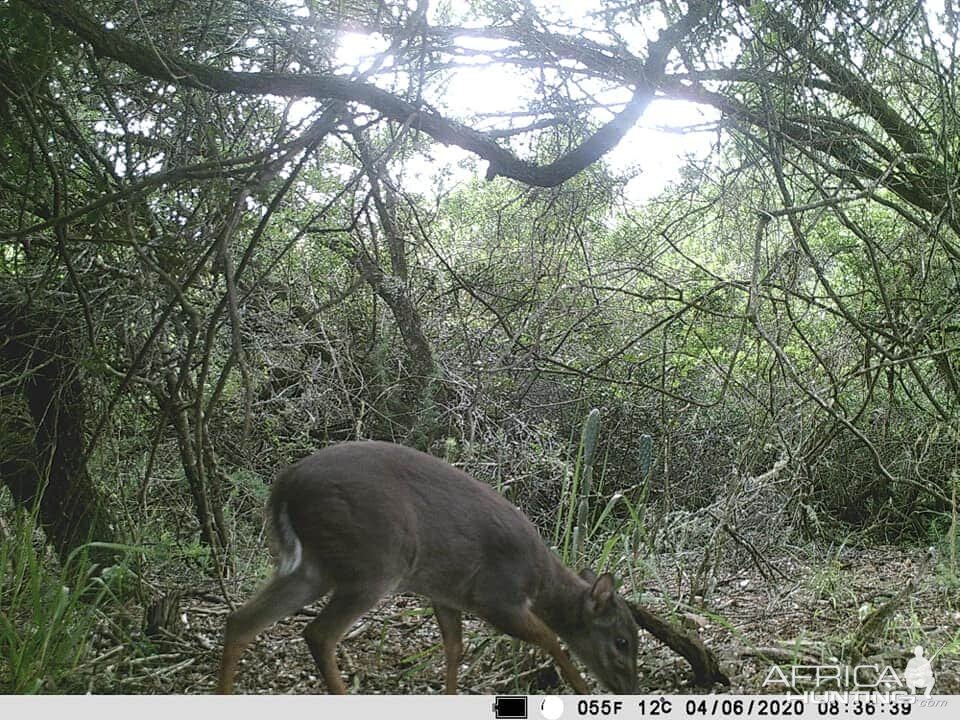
{"x": 575, "y": 504}
{"x": 29, "y": 41}
{"x": 588, "y": 440}
{"x": 646, "y": 456}
{"x": 943, "y": 533}
{"x": 828, "y": 336}
{"x": 47, "y": 614}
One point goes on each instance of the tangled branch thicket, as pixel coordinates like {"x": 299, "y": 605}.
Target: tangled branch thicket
{"x": 220, "y": 251}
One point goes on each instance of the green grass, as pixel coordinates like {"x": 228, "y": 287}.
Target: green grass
{"x": 47, "y": 614}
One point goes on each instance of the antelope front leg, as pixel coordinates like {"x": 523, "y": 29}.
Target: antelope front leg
{"x": 525, "y": 625}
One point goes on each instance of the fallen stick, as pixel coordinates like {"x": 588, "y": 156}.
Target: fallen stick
{"x": 706, "y": 668}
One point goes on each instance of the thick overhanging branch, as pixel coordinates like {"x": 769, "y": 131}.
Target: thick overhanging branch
{"x": 162, "y": 66}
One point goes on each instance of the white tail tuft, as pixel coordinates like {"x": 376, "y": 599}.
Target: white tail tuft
{"x": 289, "y": 548}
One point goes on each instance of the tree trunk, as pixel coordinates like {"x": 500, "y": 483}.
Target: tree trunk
{"x": 41, "y": 453}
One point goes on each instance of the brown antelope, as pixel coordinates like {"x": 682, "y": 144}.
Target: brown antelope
{"x": 363, "y": 519}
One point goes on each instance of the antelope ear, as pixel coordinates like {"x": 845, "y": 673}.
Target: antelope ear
{"x": 589, "y": 575}
{"x": 603, "y": 592}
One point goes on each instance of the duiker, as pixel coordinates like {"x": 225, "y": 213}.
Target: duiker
{"x": 360, "y": 520}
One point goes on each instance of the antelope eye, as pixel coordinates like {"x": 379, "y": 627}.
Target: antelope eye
{"x": 621, "y": 643}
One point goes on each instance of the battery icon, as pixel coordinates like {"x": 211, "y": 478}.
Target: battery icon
{"x": 510, "y": 706}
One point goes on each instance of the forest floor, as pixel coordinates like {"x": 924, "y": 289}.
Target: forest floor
{"x": 804, "y": 609}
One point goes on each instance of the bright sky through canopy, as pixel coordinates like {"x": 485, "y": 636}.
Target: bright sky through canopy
{"x": 657, "y": 146}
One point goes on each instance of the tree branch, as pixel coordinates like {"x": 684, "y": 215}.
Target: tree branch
{"x": 149, "y": 61}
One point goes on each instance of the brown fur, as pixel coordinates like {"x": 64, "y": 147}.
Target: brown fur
{"x": 374, "y": 518}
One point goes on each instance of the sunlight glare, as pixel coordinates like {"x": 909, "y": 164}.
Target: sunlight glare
{"x": 659, "y": 146}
